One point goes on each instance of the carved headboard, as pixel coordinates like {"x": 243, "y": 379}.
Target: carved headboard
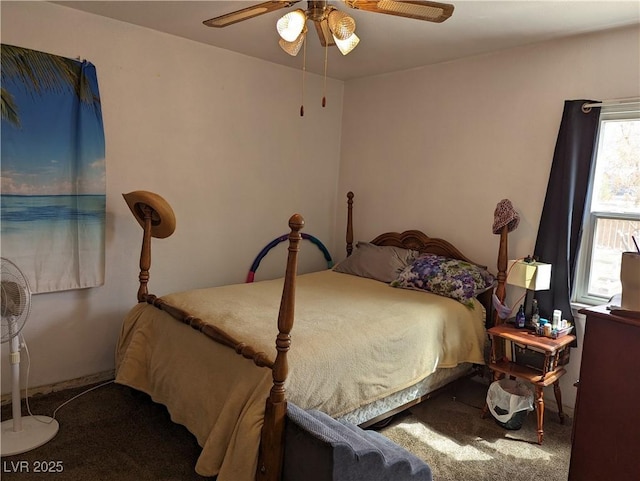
{"x": 418, "y": 240}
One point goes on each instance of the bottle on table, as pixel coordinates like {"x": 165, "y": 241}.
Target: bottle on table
{"x": 535, "y": 313}
{"x": 520, "y": 317}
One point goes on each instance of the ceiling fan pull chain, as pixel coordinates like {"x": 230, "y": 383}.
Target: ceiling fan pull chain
{"x": 304, "y": 68}
{"x": 324, "y": 88}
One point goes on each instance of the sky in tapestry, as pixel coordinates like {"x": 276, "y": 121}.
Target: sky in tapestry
{"x": 53, "y": 176}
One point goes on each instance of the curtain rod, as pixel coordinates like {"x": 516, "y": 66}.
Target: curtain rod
{"x": 605, "y": 103}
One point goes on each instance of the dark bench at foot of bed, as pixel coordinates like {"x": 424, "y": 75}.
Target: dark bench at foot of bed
{"x": 319, "y": 448}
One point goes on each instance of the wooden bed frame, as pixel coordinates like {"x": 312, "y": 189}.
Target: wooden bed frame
{"x": 271, "y": 451}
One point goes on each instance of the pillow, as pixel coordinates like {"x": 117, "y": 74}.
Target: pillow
{"x": 382, "y": 263}
{"x": 444, "y": 276}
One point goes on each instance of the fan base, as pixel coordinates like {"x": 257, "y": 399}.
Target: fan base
{"x": 36, "y": 431}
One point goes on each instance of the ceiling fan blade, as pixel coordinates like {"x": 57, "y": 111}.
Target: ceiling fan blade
{"x": 324, "y": 34}
{"x": 249, "y": 12}
{"x": 429, "y": 11}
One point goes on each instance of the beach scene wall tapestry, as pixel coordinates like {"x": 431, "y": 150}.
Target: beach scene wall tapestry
{"x": 53, "y": 190}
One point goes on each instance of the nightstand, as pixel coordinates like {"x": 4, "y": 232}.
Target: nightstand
{"x": 538, "y": 360}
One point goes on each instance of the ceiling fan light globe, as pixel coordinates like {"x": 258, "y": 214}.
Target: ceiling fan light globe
{"x": 292, "y": 48}
{"x": 290, "y": 26}
{"x": 342, "y": 26}
{"x": 346, "y": 46}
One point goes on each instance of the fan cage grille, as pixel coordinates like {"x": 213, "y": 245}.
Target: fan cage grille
{"x": 15, "y": 297}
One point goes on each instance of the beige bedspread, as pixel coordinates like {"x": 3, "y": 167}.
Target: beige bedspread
{"x": 354, "y": 340}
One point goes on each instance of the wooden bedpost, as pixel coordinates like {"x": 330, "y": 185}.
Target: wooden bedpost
{"x": 272, "y": 439}
{"x": 501, "y": 291}
{"x": 145, "y": 254}
{"x": 349, "y": 223}
{"x": 157, "y": 219}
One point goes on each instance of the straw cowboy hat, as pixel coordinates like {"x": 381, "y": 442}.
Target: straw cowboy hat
{"x": 163, "y": 220}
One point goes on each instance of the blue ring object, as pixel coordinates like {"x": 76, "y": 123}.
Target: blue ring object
{"x": 282, "y": 238}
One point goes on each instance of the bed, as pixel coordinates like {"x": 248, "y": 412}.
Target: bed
{"x": 360, "y": 350}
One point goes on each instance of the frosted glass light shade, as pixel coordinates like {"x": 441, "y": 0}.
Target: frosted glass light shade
{"x": 290, "y": 26}
{"x": 346, "y": 46}
{"x": 292, "y": 48}
{"x": 341, "y": 25}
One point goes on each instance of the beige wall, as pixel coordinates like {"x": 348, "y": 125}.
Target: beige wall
{"x": 217, "y": 134}
{"x": 437, "y": 148}
{"x": 433, "y": 148}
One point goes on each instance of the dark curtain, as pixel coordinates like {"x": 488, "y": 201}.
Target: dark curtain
{"x": 563, "y": 212}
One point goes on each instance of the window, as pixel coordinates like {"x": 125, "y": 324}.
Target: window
{"x": 612, "y": 217}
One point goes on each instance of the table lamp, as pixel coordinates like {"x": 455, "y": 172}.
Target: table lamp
{"x": 533, "y": 276}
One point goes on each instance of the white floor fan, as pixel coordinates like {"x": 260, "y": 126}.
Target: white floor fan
{"x": 22, "y": 433}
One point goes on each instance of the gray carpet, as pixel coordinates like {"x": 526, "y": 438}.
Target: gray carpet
{"x": 110, "y": 434}
{"x": 116, "y": 434}
{"x": 449, "y": 433}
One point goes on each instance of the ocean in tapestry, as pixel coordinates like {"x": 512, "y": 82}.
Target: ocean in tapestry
{"x": 53, "y": 192}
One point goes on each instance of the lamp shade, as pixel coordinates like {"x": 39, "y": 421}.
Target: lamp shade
{"x": 535, "y": 276}
{"x": 292, "y": 48}
{"x": 346, "y": 46}
{"x": 342, "y": 25}
{"x": 290, "y": 26}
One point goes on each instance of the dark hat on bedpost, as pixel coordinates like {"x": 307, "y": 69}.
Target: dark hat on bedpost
{"x": 505, "y": 215}
{"x": 163, "y": 220}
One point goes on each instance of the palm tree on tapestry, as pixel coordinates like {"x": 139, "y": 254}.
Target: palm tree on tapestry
{"x": 39, "y": 72}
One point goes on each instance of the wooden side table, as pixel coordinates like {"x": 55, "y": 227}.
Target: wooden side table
{"x": 554, "y": 353}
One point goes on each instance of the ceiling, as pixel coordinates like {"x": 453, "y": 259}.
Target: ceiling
{"x": 387, "y": 43}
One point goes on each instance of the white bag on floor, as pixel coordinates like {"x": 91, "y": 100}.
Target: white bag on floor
{"x": 508, "y": 395}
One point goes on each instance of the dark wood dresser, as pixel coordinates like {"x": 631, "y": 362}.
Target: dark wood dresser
{"x": 606, "y": 424}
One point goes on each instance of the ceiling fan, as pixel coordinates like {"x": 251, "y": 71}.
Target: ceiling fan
{"x": 332, "y": 26}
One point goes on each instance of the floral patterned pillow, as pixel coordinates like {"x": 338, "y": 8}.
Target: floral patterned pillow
{"x": 447, "y": 277}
